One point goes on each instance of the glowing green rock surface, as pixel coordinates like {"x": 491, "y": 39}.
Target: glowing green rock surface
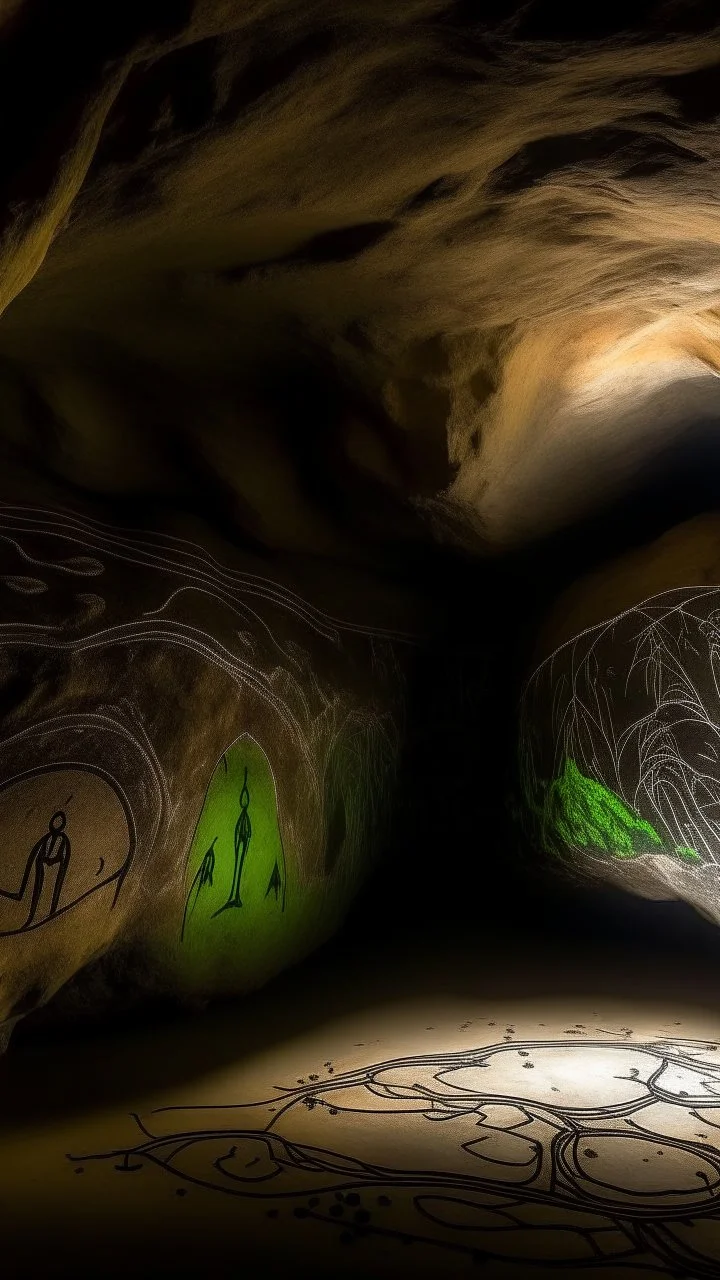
{"x": 245, "y": 912}
{"x": 579, "y": 812}
{"x": 686, "y": 854}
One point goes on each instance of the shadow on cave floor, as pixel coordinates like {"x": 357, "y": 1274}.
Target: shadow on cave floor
{"x": 525, "y": 940}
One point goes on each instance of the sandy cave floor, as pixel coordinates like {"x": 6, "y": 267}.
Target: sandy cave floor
{"x": 521, "y": 1105}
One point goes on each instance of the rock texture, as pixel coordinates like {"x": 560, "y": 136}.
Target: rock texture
{"x": 347, "y": 255}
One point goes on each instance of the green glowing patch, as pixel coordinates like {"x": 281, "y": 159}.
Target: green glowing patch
{"x": 245, "y": 912}
{"x": 687, "y": 855}
{"x": 579, "y": 812}
{"x": 237, "y": 860}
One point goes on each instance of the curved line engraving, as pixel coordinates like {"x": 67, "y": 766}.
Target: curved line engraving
{"x": 608, "y": 1191}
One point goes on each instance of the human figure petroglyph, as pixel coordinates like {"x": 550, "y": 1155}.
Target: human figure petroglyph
{"x": 241, "y": 841}
{"x": 52, "y": 850}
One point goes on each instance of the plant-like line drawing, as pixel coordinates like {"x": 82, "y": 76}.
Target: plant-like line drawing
{"x": 620, "y": 734}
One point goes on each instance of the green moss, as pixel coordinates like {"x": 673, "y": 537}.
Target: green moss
{"x": 687, "y": 855}
{"x": 577, "y": 812}
{"x": 580, "y": 813}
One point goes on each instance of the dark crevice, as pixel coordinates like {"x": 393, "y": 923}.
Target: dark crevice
{"x": 341, "y": 244}
{"x": 267, "y": 69}
{"x": 182, "y": 81}
{"x": 539, "y": 159}
{"x": 695, "y": 93}
{"x": 46, "y": 84}
{"x": 32, "y": 999}
{"x": 439, "y": 189}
